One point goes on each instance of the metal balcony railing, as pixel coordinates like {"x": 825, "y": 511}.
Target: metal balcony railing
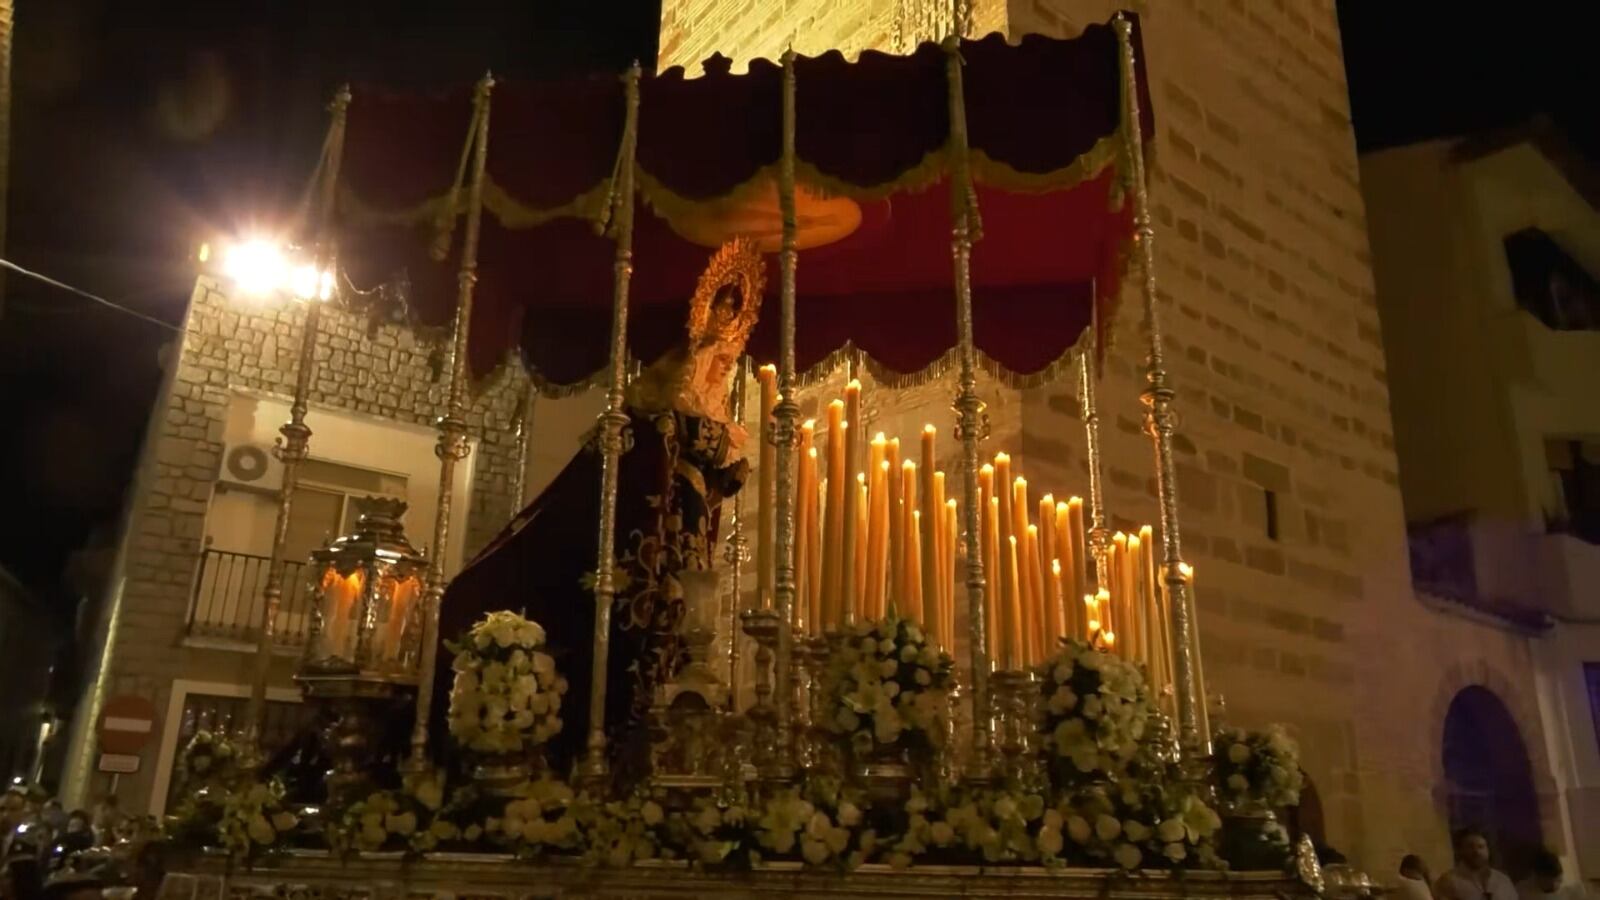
{"x": 227, "y": 599}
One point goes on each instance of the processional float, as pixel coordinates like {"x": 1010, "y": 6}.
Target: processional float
{"x": 968, "y": 208}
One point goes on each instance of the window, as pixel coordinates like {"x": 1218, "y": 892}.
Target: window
{"x": 1575, "y": 483}
{"x": 328, "y": 500}
{"x": 1550, "y": 284}
{"x": 225, "y": 716}
{"x": 1270, "y": 497}
{"x": 1591, "y": 679}
{"x": 228, "y": 601}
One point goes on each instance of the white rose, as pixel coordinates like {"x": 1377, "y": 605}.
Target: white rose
{"x": 1138, "y": 832}
{"x": 924, "y": 678}
{"x": 1050, "y": 841}
{"x": 1238, "y": 783}
{"x": 1107, "y": 827}
{"x": 941, "y": 833}
{"x": 849, "y": 815}
{"x": 1078, "y": 829}
{"x": 1127, "y": 856}
{"x": 1171, "y": 830}
{"x": 1238, "y": 754}
{"x": 887, "y": 668}
{"x": 651, "y": 813}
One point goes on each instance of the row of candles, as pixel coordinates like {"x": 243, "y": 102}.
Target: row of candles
{"x": 880, "y": 532}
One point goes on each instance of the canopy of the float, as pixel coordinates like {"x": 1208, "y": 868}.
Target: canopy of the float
{"x": 1044, "y": 129}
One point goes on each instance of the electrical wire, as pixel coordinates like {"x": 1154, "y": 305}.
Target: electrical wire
{"x": 8, "y": 264}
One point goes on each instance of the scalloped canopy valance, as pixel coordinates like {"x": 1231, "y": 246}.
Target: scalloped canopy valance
{"x": 1044, "y": 121}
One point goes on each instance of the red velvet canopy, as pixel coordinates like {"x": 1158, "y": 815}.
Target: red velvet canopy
{"x": 1043, "y": 122}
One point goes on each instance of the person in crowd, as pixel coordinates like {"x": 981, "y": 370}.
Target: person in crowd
{"x": 1415, "y": 882}
{"x": 70, "y": 885}
{"x": 1472, "y": 877}
{"x": 106, "y": 819}
{"x": 22, "y": 879}
{"x": 1546, "y": 880}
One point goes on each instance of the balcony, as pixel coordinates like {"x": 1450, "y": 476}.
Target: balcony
{"x": 1479, "y": 567}
{"x": 225, "y": 610}
{"x": 1569, "y": 568}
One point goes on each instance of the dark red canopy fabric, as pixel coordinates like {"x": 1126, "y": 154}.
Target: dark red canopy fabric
{"x": 1043, "y": 122}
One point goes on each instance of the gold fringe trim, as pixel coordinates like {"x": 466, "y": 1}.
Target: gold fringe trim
{"x": 590, "y": 204}
{"x": 514, "y": 214}
{"x": 944, "y": 367}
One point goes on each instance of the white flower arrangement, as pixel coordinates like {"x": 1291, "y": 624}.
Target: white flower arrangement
{"x": 540, "y": 819}
{"x": 887, "y": 685}
{"x": 1096, "y": 711}
{"x": 824, "y": 827}
{"x": 717, "y": 833}
{"x": 254, "y": 818}
{"x": 1162, "y": 829}
{"x": 1257, "y": 769}
{"x": 989, "y": 825}
{"x": 506, "y": 696}
{"x": 621, "y": 832}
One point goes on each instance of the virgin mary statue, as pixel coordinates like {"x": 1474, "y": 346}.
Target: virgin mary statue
{"x": 681, "y": 459}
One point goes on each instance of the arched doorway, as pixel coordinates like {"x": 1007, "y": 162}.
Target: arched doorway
{"x": 1307, "y": 818}
{"x": 1488, "y": 778}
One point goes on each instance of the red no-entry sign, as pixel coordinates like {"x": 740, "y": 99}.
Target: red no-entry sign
{"x": 127, "y": 723}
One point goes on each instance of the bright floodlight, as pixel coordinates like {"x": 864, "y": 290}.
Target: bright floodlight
{"x": 257, "y": 267}
{"x": 305, "y": 284}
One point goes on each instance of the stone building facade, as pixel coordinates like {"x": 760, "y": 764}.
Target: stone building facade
{"x": 1289, "y": 485}
{"x": 182, "y": 638}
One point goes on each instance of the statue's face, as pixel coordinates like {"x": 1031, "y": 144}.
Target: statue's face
{"x": 718, "y": 368}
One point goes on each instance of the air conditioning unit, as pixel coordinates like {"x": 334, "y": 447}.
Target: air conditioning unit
{"x": 254, "y": 466}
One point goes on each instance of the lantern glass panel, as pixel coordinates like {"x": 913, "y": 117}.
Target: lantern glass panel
{"x": 339, "y": 603}
{"x": 399, "y": 590}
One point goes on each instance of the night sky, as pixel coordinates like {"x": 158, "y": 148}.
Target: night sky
{"x": 141, "y": 128}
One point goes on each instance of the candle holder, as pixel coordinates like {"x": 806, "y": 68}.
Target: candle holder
{"x": 762, "y": 625}
{"x": 1032, "y": 773}
{"x": 817, "y": 754}
{"x": 688, "y": 720}
{"x": 1007, "y": 686}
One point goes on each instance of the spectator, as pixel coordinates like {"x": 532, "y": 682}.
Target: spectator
{"x": 22, "y": 879}
{"x": 1415, "y": 882}
{"x": 69, "y": 885}
{"x": 1472, "y": 877}
{"x": 1546, "y": 881}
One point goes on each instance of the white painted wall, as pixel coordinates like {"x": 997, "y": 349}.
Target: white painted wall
{"x": 239, "y": 522}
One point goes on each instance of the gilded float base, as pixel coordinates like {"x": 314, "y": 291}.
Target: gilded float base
{"x": 317, "y": 876}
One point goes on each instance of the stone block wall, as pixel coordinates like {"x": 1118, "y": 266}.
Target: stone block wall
{"x": 388, "y": 374}
{"x": 1306, "y": 611}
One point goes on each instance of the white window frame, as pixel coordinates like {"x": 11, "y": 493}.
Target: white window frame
{"x": 167, "y": 755}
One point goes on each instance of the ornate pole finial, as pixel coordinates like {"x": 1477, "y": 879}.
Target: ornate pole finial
{"x": 612, "y": 422}
{"x": 971, "y": 426}
{"x": 294, "y": 444}
{"x": 452, "y": 444}
{"x": 784, "y": 436}
{"x": 1160, "y": 420}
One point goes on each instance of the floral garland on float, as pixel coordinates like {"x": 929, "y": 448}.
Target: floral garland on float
{"x": 225, "y": 804}
{"x": 887, "y": 689}
{"x": 1116, "y": 798}
{"x": 506, "y": 697}
{"x": 1255, "y": 774}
